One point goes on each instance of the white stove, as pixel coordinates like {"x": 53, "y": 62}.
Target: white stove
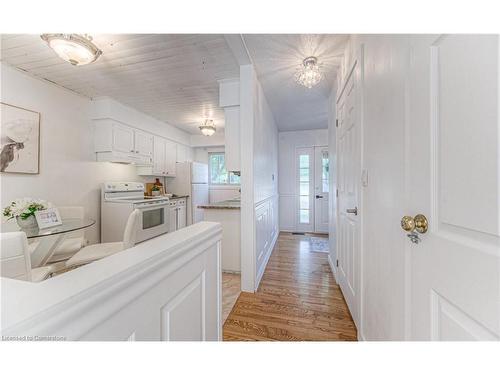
{"x": 119, "y": 199}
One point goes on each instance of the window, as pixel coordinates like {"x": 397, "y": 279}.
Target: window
{"x": 304, "y": 184}
{"x": 218, "y": 175}
{"x": 325, "y": 171}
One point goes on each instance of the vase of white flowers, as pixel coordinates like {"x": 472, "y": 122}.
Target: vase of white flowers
{"x": 23, "y": 210}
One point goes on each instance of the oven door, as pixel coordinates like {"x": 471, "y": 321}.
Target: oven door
{"x": 153, "y": 221}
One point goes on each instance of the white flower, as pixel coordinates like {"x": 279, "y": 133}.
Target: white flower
{"x": 21, "y": 206}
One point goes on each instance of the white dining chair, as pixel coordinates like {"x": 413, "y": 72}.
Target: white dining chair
{"x": 15, "y": 261}
{"x": 98, "y": 251}
{"x": 73, "y": 242}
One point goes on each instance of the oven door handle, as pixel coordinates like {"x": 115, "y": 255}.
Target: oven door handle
{"x": 145, "y": 207}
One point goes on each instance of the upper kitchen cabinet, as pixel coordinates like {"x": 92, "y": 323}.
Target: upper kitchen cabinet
{"x": 164, "y": 159}
{"x": 229, "y": 99}
{"x": 116, "y": 142}
{"x": 170, "y": 158}
{"x": 143, "y": 143}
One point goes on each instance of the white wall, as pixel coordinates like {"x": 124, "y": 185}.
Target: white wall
{"x": 69, "y": 174}
{"x": 259, "y": 179}
{"x": 288, "y": 194}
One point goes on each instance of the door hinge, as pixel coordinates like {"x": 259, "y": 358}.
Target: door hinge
{"x": 337, "y": 262}
{"x": 337, "y": 123}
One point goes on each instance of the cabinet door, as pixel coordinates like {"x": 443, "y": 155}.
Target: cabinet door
{"x": 159, "y": 156}
{"x": 143, "y": 144}
{"x": 170, "y": 158}
{"x": 123, "y": 138}
{"x": 172, "y": 218}
{"x": 181, "y": 216}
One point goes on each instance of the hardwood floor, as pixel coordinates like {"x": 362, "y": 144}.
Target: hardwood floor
{"x": 297, "y": 300}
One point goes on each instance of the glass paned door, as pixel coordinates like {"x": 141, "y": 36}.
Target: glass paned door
{"x": 304, "y": 163}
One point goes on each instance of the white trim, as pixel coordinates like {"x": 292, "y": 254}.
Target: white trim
{"x": 266, "y": 260}
{"x": 332, "y": 267}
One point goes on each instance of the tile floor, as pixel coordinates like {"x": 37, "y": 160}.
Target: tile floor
{"x": 231, "y": 288}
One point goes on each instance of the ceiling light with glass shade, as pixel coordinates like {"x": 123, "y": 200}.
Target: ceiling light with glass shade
{"x": 309, "y": 73}
{"x": 208, "y": 128}
{"x": 74, "y": 48}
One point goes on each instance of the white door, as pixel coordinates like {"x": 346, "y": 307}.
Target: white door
{"x": 123, "y": 139}
{"x": 321, "y": 189}
{"x": 453, "y": 179}
{"x": 304, "y": 159}
{"x": 348, "y": 201}
{"x": 158, "y": 156}
{"x": 143, "y": 144}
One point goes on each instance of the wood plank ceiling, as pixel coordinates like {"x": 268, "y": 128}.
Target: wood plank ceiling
{"x": 170, "y": 77}
{"x": 276, "y": 59}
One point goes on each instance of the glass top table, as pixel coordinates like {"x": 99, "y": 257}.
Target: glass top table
{"x": 46, "y": 241}
{"x": 68, "y": 225}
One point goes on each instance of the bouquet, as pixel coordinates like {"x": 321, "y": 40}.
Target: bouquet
{"x": 25, "y": 208}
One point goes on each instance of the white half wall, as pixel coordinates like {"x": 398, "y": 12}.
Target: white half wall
{"x": 288, "y": 194}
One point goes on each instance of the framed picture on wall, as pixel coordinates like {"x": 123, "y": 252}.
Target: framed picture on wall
{"x": 19, "y": 140}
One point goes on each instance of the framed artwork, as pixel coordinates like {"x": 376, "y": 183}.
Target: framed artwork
{"x": 48, "y": 218}
{"x": 19, "y": 140}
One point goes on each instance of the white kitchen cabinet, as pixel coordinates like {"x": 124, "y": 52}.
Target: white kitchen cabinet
{"x": 158, "y": 156}
{"x": 116, "y": 142}
{"x": 123, "y": 138}
{"x": 163, "y": 160}
{"x": 181, "y": 214}
{"x": 177, "y": 214}
{"x": 143, "y": 143}
{"x": 170, "y": 158}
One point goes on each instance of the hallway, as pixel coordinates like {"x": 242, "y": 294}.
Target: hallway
{"x": 297, "y": 300}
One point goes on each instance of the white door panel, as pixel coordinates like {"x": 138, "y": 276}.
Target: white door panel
{"x": 348, "y": 177}
{"x": 453, "y": 179}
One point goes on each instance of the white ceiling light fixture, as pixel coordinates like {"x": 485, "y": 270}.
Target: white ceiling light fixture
{"x": 208, "y": 128}
{"x": 309, "y": 73}
{"x": 74, "y": 48}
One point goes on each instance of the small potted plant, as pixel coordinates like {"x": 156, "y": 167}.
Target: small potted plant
{"x": 23, "y": 210}
{"x": 155, "y": 190}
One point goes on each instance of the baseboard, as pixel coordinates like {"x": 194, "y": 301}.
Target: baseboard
{"x": 266, "y": 259}
{"x": 332, "y": 267}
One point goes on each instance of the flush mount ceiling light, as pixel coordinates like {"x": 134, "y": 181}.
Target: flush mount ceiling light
{"x": 74, "y": 48}
{"x": 208, "y": 128}
{"x": 309, "y": 73}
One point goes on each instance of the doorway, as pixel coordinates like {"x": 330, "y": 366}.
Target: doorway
{"x": 312, "y": 179}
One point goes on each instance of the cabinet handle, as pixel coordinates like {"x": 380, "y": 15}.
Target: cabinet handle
{"x": 137, "y": 152}
{"x": 131, "y": 150}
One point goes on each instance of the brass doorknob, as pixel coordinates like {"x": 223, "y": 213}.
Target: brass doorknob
{"x": 418, "y": 223}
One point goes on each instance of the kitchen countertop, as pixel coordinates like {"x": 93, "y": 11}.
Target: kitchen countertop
{"x": 163, "y": 196}
{"x": 231, "y": 204}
